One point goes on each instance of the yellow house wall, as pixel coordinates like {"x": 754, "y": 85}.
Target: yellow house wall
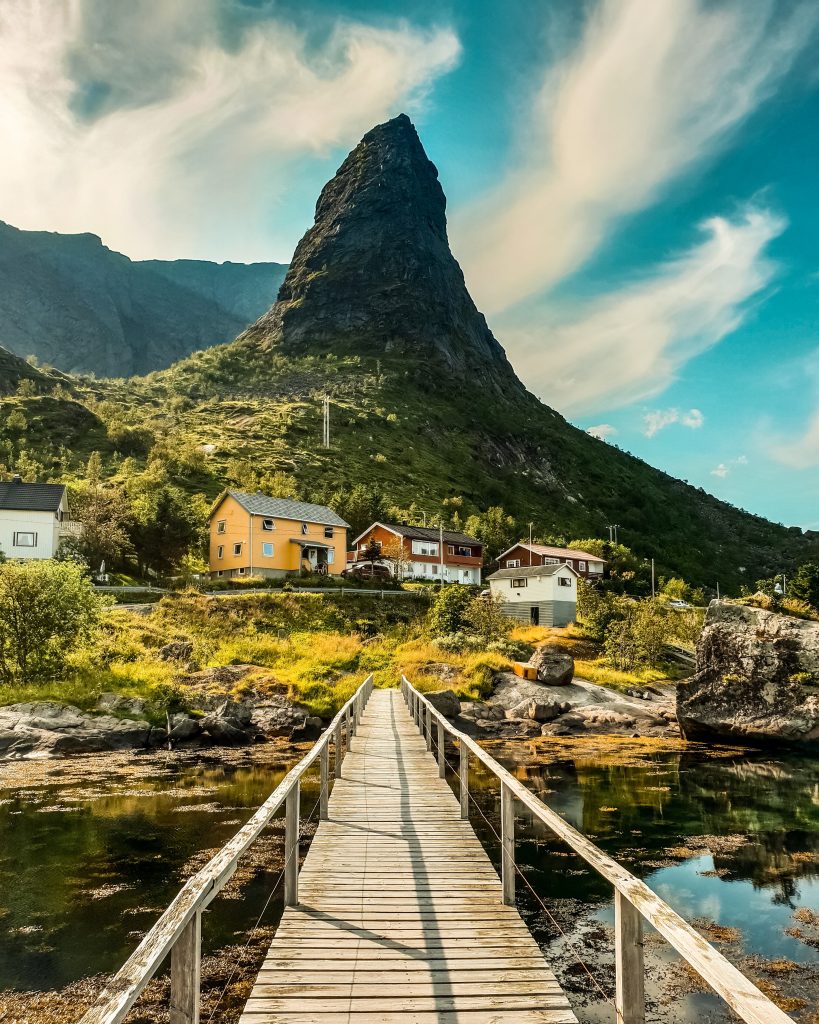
{"x": 242, "y": 528}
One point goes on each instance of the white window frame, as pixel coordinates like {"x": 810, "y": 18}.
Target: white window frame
{"x": 237, "y": 548}
{"x": 564, "y": 581}
{"x": 328, "y": 533}
{"x": 221, "y": 525}
{"x": 240, "y": 572}
{"x": 581, "y": 566}
{"x": 220, "y": 551}
{"x": 425, "y": 547}
{"x": 512, "y": 563}
{"x": 265, "y": 552}
{"x": 518, "y": 582}
{"x": 548, "y": 560}
{"x": 305, "y": 529}
{"x": 568, "y": 561}
{"x": 219, "y": 572}
{"x": 18, "y": 543}
{"x": 331, "y": 556}
{"x": 268, "y": 525}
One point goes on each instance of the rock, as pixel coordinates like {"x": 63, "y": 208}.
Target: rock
{"x": 756, "y": 679}
{"x": 554, "y": 665}
{"x": 445, "y": 702}
{"x": 230, "y": 723}
{"x": 117, "y": 705}
{"x": 50, "y": 729}
{"x": 176, "y": 650}
{"x": 308, "y": 729}
{"x": 183, "y": 727}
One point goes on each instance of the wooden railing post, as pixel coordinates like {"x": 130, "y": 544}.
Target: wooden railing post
{"x": 441, "y": 753}
{"x": 291, "y": 847}
{"x": 429, "y": 727}
{"x": 324, "y": 780}
{"x": 507, "y": 845}
{"x": 463, "y": 775}
{"x": 186, "y": 960}
{"x": 630, "y": 998}
{"x": 339, "y": 752}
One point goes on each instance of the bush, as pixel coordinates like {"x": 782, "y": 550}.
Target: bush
{"x": 448, "y": 613}
{"x": 47, "y": 610}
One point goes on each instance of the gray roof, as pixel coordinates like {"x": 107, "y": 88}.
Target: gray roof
{"x": 530, "y": 570}
{"x": 19, "y": 497}
{"x": 428, "y": 533}
{"x": 286, "y": 508}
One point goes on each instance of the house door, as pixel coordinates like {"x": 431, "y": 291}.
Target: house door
{"x": 534, "y": 615}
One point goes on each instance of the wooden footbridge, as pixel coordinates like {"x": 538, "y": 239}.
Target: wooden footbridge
{"x": 398, "y": 915}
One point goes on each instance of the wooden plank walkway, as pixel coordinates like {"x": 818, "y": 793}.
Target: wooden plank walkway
{"x": 400, "y": 915}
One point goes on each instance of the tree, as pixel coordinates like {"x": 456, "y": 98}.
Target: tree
{"x": 448, "y": 611}
{"x": 167, "y": 523}
{"x": 596, "y": 609}
{"x": 626, "y": 573}
{"x": 676, "y": 589}
{"x": 370, "y": 553}
{"x": 47, "y": 609}
{"x": 396, "y": 553}
{"x": 361, "y": 505}
{"x": 495, "y": 528}
{"x": 484, "y": 616}
{"x": 105, "y": 518}
{"x": 804, "y": 584}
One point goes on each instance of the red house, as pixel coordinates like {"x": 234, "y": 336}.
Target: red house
{"x": 426, "y": 552}
{"x": 522, "y": 555}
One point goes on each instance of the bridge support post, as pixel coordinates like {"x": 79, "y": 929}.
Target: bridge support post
{"x": 429, "y": 727}
{"x": 324, "y": 780}
{"x": 463, "y": 775}
{"x": 630, "y": 998}
{"x": 186, "y": 959}
{"x": 291, "y": 846}
{"x": 339, "y": 752}
{"x": 441, "y": 753}
{"x": 507, "y": 845}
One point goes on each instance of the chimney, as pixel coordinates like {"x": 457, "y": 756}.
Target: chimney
{"x": 16, "y": 479}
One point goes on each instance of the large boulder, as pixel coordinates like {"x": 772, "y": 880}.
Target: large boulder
{"x": 757, "y": 678}
{"x": 445, "y": 702}
{"x": 554, "y": 665}
{"x": 176, "y": 650}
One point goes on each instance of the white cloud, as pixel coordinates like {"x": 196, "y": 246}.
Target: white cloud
{"x": 659, "y": 419}
{"x": 156, "y": 129}
{"x": 629, "y": 345}
{"x": 721, "y": 470}
{"x": 650, "y": 89}
{"x": 800, "y": 451}
{"x": 603, "y": 431}
{"x": 693, "y": 419}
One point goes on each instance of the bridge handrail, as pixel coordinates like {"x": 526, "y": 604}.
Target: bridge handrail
{"x": 634, "y": 900}
{"x": 177, "y": 931}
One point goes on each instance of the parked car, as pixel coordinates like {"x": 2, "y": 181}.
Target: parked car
{"x": 367, "y": 571}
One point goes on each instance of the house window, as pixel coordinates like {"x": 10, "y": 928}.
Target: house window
{"x": 513, "y": 563}
{"x": 564, "y": 581}
{"x": 328, "y": 532}
{"x": 425, "y": 547}
{"x": 567, "y": 561}
{"x": 331, "y": 556}
{"x": 551, "y": 561}
{"x": 220, "y": 551}
{"x": 220, "y": 573}
{"x": 241, "y": 572}
{"x": 465, "y": 552}
{"x": 519, "y": 582}
{"x": 237, "y": 548}
{"x": 267, "y": 550}
{"x": 581, "y": 566}
{"x": 450, "y": 548}
{"x": 434, "y": 570}
{"x": 25, "y": 540}
{"x": 220, "y": 526}
{"x": 305, "y": 528}
{"x": 268, "y": 525}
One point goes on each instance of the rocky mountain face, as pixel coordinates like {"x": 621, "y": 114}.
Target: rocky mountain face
{"x": 375, "y": 275}
{"x": 81, "y": 307}
{"x": 757, "y": 679}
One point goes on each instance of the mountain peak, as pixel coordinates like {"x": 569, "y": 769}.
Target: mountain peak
{"x": 375, "y": 274}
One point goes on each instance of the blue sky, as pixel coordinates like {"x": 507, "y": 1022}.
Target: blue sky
{"x": 631, "y": 183}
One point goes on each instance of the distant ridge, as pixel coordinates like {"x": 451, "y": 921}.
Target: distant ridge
{"x": 84, "y": 308}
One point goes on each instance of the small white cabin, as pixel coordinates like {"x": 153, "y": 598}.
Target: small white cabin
{"x": 34, "y": 519}
{"x": 543, "y": 595}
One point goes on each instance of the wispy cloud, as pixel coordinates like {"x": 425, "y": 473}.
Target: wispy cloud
{"x": 799, "y": 450}
{"x": 629, "y": 345}
{"x": 721, "y": 470}
{"x": 602, "y": 431}
{"x": 169, "y": 135}
{"x": 650, "y": 89}
{"x": 659, "y": 419}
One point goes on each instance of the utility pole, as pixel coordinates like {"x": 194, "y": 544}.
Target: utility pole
{"x": 652, "y": 578}
{"x": 613, "y": 533}
{"x": 718, "y": 590}
{"x": 326, "y": 430}
{"x": 425, "y": 519}
{"x": 441, "y": 548}
{"x": 530, "y": 545}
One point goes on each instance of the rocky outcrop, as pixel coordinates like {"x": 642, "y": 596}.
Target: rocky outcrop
{"x": 554, "y": 665}
{"x": 375, "y": 273}
{"x": 757, "y": 679}
{"x": 445, "y": 701}
{"x": 49, "y": 729}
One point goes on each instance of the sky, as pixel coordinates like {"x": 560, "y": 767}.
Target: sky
{"x": 631, "y": 184}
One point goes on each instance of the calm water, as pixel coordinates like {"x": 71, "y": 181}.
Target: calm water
{"x": 93, "y": 849}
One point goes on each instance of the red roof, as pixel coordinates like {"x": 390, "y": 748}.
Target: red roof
{"x": 550, "y": 552}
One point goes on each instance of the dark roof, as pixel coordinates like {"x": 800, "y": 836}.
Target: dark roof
{"x": 427, "y": 533}
{"x": 552, "y": 552}
{"x": 21, "y": 497}
{"x": 286, "y": 508}
{"x": 530, "y": 570}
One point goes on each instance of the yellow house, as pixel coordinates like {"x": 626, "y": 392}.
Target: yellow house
{"x": 253, "y": 535}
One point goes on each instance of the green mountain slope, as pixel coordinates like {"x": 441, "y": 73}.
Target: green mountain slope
{"x": 424, "y": 404}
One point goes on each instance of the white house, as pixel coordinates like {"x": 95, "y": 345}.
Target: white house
{"x": 34, "y": 519}
{"x": 543, "y": 595}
